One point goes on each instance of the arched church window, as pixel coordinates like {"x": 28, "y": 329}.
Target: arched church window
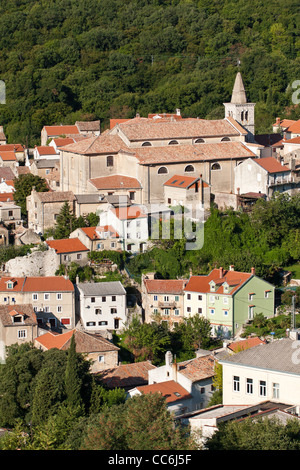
{"x": 189, "y": 168}
{"x": 162, "y": 170}
{"x": 216, "y": 166}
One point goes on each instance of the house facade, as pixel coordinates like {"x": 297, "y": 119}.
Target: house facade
{"x": 101, "y": 306}
{"x": 52, "y": 298}
{"x": 264, "y": 372}
{"x": 69, "y": 250}
{"x": 194, "y": 375}
{"x": 98, "y": 238}
{"x": 162, "y": 300}
{"x": 18, "y": 324}
{"x": 44, "y": 207}
{"x": 228, "y": 299}
{"x": 101, "y": 353}
{"x": 264, "y": 176}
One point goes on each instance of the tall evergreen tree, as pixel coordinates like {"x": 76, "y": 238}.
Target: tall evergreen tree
{"x": 73, "y": 380}
{"x": 65, "y": 222}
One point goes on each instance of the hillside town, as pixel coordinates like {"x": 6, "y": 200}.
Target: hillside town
{"x": 130, "y": 179}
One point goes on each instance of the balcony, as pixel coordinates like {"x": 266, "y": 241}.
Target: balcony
{"x": 274, "y": 181}
{"x": 162, "y": 304}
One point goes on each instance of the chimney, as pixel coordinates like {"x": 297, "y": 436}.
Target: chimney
{"x": 178, "y": 112}
{"x": 231, "y": 267}
{"x": 174, "y": 370}
{"x": 278, "y": 121}
{"x": 253, "y": 271}
{"x": 221, "y": 272}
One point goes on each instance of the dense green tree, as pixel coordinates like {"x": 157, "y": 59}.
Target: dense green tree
{"x": 72, "y": 379}
{"x": 261, "y": 434}
{"x": 23, "y": 186}
{"x": 65, "y": 222}
{"x": 195, "y": 333}
{"x": 143, "y": 423}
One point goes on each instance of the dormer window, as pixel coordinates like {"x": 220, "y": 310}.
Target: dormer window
{"x": 225, "y": 288}
{"x": 16, "y": 317}
{"x": 212, "y": 286}
{"x": 10, "y": 284}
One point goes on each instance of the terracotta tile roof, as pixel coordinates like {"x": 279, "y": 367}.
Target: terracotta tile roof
{"x": 131, "y": 212}
{"x": 8, "y": 155}
{"x": 113, "y": 122}
{"x": 61, "y": 130}
{"x": 62, "y": 141}
{"x": 88, "y": 125}
{"x": 37, "y": 284}
{"x": 184, "y": 182}
{"x": 85, "y": 343}
{"x": 6, "y": 197}
{"x": 233, "y": 278}
{"x": 162, "y": 286}
{"x": 23, "y": 170}
{"x": 115, "y": 182}
{"x": 236, "y": 125}
{"x": 12, "y": 147}
{"x": 170, "y": 390}
{"x": 271, "y": 165}
{"x": 189, "y": 153}
{"x": 55, "y": 196}
{"x": 46, "y": 150}
{"x": 198, "y": 369}
{"x": 149, "y": 129}
{"x": 67, "y": 245}
{"x": 295, "y": 140}
{"x": 284, "y": 123}
{"x": 294, "y": 128}
{"x": 97, "y": 233}
{"x": 8, "y": 311}
{"x": 6, "y": 173}
{"x": 126, "y": 375}
{"x": 103, "y": 144}
{"x": 245, "y": 344}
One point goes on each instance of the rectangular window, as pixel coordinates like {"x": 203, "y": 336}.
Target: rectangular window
{"x": 199, "y": 297}
{"x": 275, "y": 391}
{"x": 212, "y": 311}
{"x": 188, "y": 309}
{"x": 58, "y": 296}
{"x": 262, "y": 388}
{"x": 236, "y": 384}
{"x": 90, "y": 323}
{"x": 250, "y": 296}
{"x": 155, "y": 298}
{"x": 22, "y": 334}
{"x": 166, "y": 311}
{"x": 267, "y": 292}
{"x": 103, "y": 299}
{"x": 166, "y": 298}
{"x": 188, "y": 296}
{"x": 176, "y": 311}
{"x": 93, "y": 300}
{"x": 101, "y": 359}
{"x": 59, "y": 309}
{"x": 225, "y": 312}
{"x": 176, "y": 298}
{"x": 225, "y": 300}
{"x": 113, "y": 298}
{"x": 34, "y": 297}
{"x": 46, "y": 309}
{"x": 249, "y": 386}
{"x": 113, "y": 310}
{"x": 200, "y": 310}
{"x": 46, "y": 296}
{"x": 79, "y": 256}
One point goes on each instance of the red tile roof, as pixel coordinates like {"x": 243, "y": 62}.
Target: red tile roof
{"x": 245, "y": 344}
{"x": 284, "y": 123}
{"x": 114, "y": 122}
{"x": 233, "y": 278}
{"x": 147, "y": 129}
{"x": 6, "y": 197}
{"x": 61, "y": 130}
{"x": 295, "y": 140}
{"x": 115, "y": 182}
{"x": 46, "y": 150}
{"x": 67, "y": 245}
{"x": 271, "y": 165}
{"x": 7, "y": 155}
{"x": 94, "y": 233}
{"x": 162, "y": 286}
{"x": 37, "y": 284}
{"x": 294, "y": 128}
{"x": 188, "y": 152}
{"x": 170, "y": 390}
{"x": 201, "y": 368}
{"x": 8, "y": 311}
{"x": 103, "y": 144}
{"x": 12, "y": 147}
{"x": 131, "y": 212}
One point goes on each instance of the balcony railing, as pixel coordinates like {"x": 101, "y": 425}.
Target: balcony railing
{"x": 162, "y": 304}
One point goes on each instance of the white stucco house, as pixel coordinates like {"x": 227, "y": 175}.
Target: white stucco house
{"x": 262, "y": 176}
{"x": 194, "y": 375}
{"x": 264, "y": 372}
{"x": 101, "y": 306}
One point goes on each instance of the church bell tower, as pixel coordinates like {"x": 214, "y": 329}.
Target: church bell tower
{"x": 239, "y": 109}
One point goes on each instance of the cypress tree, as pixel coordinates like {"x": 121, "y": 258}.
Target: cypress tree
{"x": 72, "y": 378}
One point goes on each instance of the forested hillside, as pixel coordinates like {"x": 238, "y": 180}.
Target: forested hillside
{"x": 64, "y": 60}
